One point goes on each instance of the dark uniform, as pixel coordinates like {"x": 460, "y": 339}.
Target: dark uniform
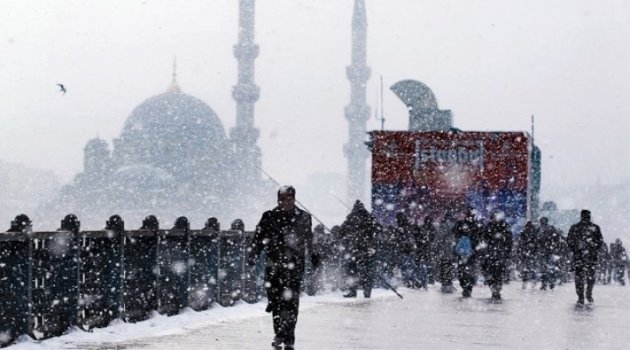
{"x": 286, "y": 235}
{"x": 584, "y": 241}
{"x": 496, "y": 254}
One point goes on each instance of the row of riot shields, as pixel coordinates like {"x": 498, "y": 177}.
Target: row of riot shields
{"x": 50, "y": 281}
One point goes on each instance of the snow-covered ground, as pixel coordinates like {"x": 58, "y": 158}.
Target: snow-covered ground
{"x": 527, "y": 319}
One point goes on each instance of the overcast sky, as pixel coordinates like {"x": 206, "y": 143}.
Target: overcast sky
{"x": 494, "y": 63}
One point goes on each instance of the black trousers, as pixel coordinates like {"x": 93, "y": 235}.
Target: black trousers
{"x": 584, "y": 275}
{"x": 283, "y": 294}
{"x": 494, "y": 273}
{"x": 445, "y": 273}
{"x": 467, "y": 277}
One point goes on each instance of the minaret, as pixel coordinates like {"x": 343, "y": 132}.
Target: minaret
{"x": 357, "y": 112}
{"x": 244, "y": 135}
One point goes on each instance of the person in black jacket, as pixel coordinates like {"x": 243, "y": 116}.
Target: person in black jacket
{"x": 359, "y": 231}
{"x": 444, "y": 244}
{"x": 549, "y": 241}
{"x": 496, "y": 254}
{"x": 584, "y": 241}
{"x": 466, "y": 230}
{"x": 527, "y": 253}
{"x": 424, "y": 237}
{"x": 285, "y": 232}
{"x": 406, "y": 249}
{"x": 618, "y": 260}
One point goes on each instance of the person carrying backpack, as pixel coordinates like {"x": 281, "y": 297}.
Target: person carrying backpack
{"x": 466, "y": 237}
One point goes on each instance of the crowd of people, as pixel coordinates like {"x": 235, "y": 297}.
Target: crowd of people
{"x": 360, "y": 254}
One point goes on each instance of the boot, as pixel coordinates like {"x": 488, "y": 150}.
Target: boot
{"x": 351, "y": 294}
{"x": 276, "y": 344}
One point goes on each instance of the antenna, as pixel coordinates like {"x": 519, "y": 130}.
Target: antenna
{"x": 382, "y": 118}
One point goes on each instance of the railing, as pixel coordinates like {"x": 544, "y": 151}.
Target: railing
{"x": 50, "y": 281}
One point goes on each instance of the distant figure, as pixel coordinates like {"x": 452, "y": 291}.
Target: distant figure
{"x": 285, "y": 232}
{"x": 549, "y": 241}
{"x": 359, "y": 233}
{"x": 467, "y": 234}
{"x": 444, "y": 255}
{"x": 619, "y": 259}
{"x": 62, "y": 88}
{"x": 527, "y": 254}
{"x": 425, "y": 235}
{"x": 406, "y": 248}
{"x": 497, "y": 242}
{"x": 584, "y": 241}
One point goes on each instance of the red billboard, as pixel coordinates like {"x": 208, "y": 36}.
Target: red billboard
{"x": 430, "y": 173}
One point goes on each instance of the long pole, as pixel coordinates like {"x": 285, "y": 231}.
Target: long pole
{"x": 296, "y": 201}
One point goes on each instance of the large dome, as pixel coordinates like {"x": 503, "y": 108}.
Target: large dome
{"x": 170, "y": 131}
{"x": 174, "y": 114}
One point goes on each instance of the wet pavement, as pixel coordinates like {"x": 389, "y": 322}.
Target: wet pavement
{"x": 527, "y": 319}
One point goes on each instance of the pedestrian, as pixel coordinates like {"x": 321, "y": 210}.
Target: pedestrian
{"x": 619, "y": 259}
{"x": 406, "y": 246}
{"x": 584, "y": 241}
{"x": 527, "y": 254}
{"x": 603, "y": 260}
{"x": 549, "y": 241}
{"x": 497, "y": 242}
{"x": 424, "y": 237}
{"x": 445, "y": 257}
{"x": 285, "y": 233}
{"x": 467, "y": 236}
{"x": 359, "y": 231}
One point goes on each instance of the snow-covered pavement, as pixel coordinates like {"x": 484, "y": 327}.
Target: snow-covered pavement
{"x": 527, "y": 319}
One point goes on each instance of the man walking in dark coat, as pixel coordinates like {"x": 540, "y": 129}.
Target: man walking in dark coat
{"x": 497, "y": 251}
{"x": 584, "y": 241}
{"x": 285, "y": 232}
{"x": 359, "y": 231}
{"x": 527, "y": 253}
{"x": 424, "y": 237}
{"x": 549, "y": 240}
{"x": 466, "y": 239}
{"x": 618, "y": 260}
{"x": 445, "y": 257}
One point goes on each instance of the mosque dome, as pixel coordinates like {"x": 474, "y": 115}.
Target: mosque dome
{"x": 171, "y": 131}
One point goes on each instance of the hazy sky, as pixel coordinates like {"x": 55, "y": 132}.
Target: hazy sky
{"x": 494, "y": 63}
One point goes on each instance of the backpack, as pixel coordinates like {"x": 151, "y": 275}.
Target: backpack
{"x": 463, "y": 248}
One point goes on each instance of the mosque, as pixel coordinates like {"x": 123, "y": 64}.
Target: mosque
{"x": 174, "y": 157}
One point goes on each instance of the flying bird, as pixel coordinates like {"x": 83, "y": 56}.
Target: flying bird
{"x": 62, "y": 88}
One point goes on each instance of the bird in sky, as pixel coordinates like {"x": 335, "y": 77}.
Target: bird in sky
{"x": 62, "y": 88}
